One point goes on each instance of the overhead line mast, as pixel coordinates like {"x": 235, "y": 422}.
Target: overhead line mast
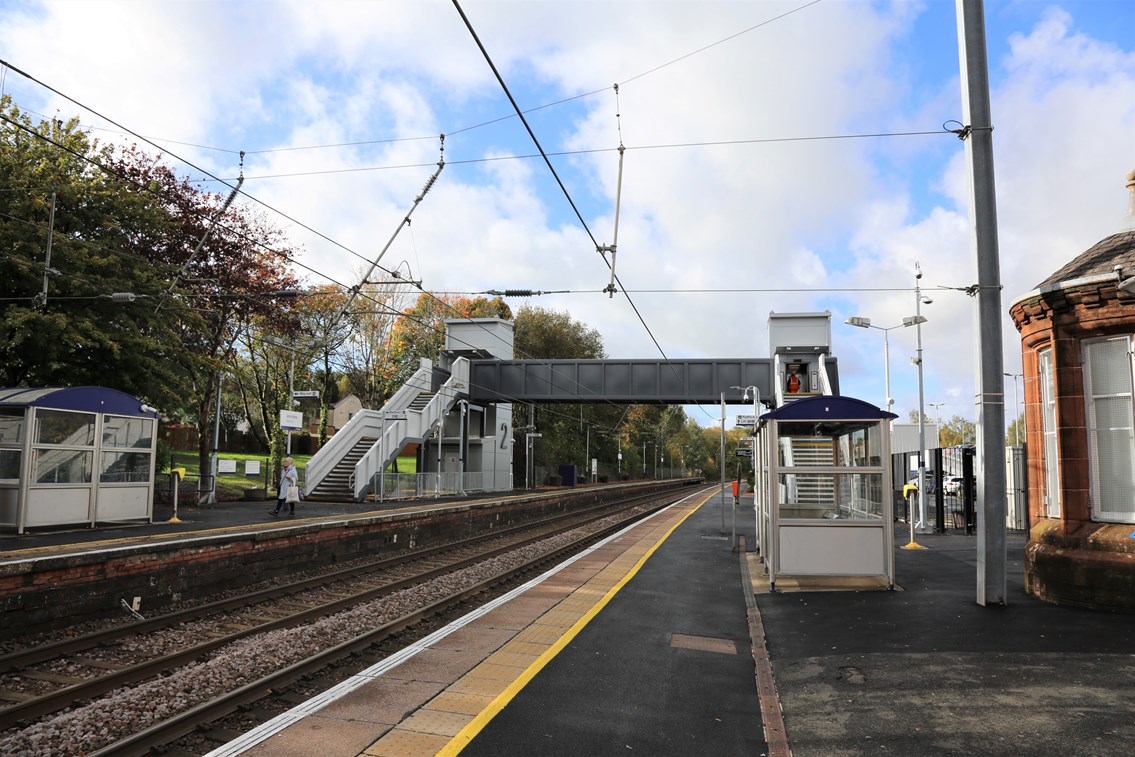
{"x": 354, "y": 291}
{"x": 613, "y": 247}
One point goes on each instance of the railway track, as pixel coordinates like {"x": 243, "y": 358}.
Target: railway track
{"x": 255, "y": 630}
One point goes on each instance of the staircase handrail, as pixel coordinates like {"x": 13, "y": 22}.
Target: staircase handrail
{"x": 416, "y": 426}
{"x": 825, "y": 380}
{"x": 364, "y": 423}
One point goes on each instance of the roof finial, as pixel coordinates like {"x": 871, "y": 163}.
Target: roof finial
{"x": 1129, "y": 224}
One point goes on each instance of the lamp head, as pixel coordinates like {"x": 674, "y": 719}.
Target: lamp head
{"x": 913, "y": 320}
{"x": 863, "y": 323}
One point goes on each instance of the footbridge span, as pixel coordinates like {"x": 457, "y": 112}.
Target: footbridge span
{"x": 456, "y": 415}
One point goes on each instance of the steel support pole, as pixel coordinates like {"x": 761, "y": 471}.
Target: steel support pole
{"x": 721, "y": 464}
{"x": 990, "y": 449}
{"x": 922, "y": 526}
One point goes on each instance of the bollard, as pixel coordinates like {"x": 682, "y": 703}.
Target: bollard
{"x": 175, "y": 480}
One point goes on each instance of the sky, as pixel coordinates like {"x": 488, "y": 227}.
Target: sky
{"x": 779, "y": 156}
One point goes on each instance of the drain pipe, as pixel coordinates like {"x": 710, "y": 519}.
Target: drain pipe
{"x": 462, "y": 449}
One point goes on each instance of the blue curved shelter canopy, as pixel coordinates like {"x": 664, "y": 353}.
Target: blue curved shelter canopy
{"x": 90, "y": 399}
{"x": 827, "y": 407}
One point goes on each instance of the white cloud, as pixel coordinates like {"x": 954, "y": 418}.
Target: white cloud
{"x": 842, "y": 214}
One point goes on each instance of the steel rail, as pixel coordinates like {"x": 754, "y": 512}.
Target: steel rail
{"x": 186, "y": 722}
{"x": 56, "y": 700}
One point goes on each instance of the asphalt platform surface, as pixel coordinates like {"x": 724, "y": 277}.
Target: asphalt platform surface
{"x": 923, "y": 670}
{"x": 928, "y": 671}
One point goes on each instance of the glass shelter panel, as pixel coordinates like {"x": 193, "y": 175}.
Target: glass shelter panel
{"x": 125, "y": 467}
{"x": 65, "y": 428}
{"x": 831, "y": 496}
{"x": 830, "y": 445}
{"x": 11, "y": 442}
{"x": 62, "y": 466}
{"x": 119, "y": 431}
{"x": 11, "y": 426}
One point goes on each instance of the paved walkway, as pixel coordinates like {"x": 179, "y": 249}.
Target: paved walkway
{"x": 928, "y": 671}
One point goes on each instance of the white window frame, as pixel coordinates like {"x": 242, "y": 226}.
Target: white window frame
{"x": 1046, "y": 367}
{"x": 1099, "y": 514}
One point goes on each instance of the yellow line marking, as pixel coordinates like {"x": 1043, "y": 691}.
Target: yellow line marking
{"x": 477, "y": 724}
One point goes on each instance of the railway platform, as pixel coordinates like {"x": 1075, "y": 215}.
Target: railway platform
{"x": 663, "y": 641}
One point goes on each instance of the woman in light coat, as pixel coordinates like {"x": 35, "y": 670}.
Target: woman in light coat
{"x": 288, "y": 478}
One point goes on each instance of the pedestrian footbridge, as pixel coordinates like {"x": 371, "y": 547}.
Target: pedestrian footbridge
{"x": 457, "y": 414}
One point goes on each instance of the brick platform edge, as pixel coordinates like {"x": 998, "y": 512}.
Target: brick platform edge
{"x": 52, "y": 592}
{"x": 1093, "y": 567}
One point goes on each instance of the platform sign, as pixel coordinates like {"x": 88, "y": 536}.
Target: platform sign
{"x": 290, "y": 420}
{"x": 306, "y": 393}
{"x": 744, "y": 452}
{"x": 226, "y": 466}
{"x": 746, "y": 420}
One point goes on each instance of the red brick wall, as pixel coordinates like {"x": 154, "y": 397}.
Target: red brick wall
{"x": 1061, "y": 320}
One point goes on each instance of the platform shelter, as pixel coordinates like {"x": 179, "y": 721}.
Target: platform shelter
{"x": 823, "y": 490}
{"x": 71, "y": 456}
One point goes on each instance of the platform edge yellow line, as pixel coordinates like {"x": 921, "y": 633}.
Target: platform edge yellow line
{"x": 477, "y": 724}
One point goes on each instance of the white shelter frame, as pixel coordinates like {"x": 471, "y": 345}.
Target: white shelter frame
{"x": 824, "y": 506}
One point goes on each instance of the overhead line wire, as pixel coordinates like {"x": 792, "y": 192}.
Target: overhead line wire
{"x": 567, "y": 195}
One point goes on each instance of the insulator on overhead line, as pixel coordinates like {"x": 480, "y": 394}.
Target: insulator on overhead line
{"x": 123, "y": 297}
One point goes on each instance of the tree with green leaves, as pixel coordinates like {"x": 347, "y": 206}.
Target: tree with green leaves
{"x": 83, "y": 316}
{"x": 420, "y": 331}
{"x": 148, "y": 283}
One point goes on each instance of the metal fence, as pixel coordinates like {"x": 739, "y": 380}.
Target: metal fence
{"x": 957, "y": 511}
{"x": 190, "y": 489}
{"x": 410, "y": 485}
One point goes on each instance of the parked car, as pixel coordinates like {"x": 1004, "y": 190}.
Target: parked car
{"x": 952, "y": 485}
{"x": 912, "y": 484}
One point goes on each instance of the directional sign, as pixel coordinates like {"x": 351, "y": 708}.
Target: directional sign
{"x": 748, "y": 438}
{"x": 746, "y": 420}
{"x": 744, "y": 452}
{"x": 306, "y": 393}
{"x": 395, "y": 415}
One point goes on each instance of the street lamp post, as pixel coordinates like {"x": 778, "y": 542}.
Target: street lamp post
{"x": 865, "y": 323}
{"x": 756, "y": 401}
{"x": 915, "y": 320}
{"x": 1016, "y": 409}
{"x": 937, "y": 418}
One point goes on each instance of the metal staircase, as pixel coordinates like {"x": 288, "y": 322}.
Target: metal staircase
{"x": 336, "y": 485}
{"x": 424, "y": 413}
{"x": 347, "y": 467}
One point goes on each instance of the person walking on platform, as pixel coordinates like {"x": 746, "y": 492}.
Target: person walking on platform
{"x": 288, "y": 490}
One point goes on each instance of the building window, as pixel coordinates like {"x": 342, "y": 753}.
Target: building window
{"x": 1111, "y": 428}
{"x": 1048, "y": 416}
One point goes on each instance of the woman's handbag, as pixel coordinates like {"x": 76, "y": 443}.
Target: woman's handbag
{"x": 293, "y": 494}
